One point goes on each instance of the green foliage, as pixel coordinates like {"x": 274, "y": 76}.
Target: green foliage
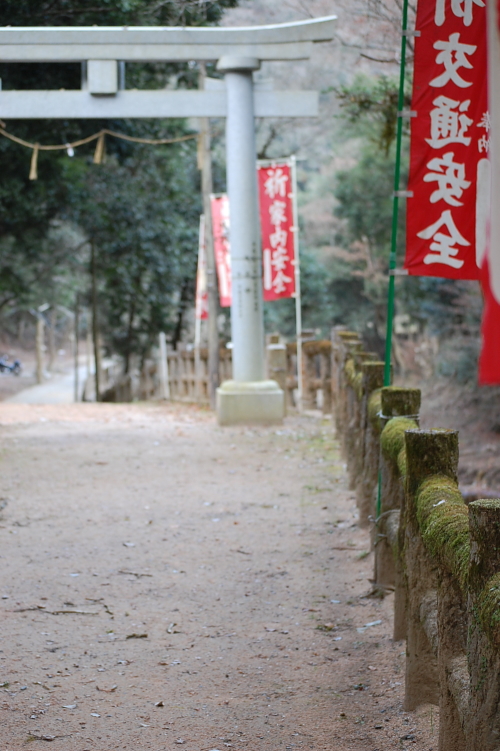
{"x": 364, "y": 195}
{"x": 316, "y": 310}
{"x": 141, "y": 207}
{"x": 112, "y": 12}
{"x": 371, "y": 106}
{"x": 142, "y": 216}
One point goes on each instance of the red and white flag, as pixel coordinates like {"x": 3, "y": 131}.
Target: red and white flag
{"x": 489, "y": 360}
{"x": 449, "y": 181}
{"x": 277, "y": 224}
{"x": 201, "y": 276}
{"x": 222, "y": 249}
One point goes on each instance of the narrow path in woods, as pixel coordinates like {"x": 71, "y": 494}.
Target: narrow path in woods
{"x": 166, "y": 583}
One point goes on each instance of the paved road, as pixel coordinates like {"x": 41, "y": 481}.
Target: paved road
{"x": 58, "y": 390}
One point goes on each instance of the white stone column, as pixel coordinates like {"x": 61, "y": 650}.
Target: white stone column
{"x": 246, "y": 265}
{"x": 248, "y": 397}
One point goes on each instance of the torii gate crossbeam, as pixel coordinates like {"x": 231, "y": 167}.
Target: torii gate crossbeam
{"x": 238, "y": 52}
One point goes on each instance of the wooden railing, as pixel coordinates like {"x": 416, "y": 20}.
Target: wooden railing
{"x": 440, "y": 556}
{"x": 187, "y": 378}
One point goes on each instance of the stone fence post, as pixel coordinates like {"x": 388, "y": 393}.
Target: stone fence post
{"x": 277, "y": 365}
{"x": 354, "y": 439}
{"x": 346, "y": 404}
{"x": 399, "y": 412}
{"x": 431, "y": 456}
{"x": 326, "y": 377}
{"x": 372, "y": 378}
{"x": 484, "y": 626}
{"x": 340, "y": 341}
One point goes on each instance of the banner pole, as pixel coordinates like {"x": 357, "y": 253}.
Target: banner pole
{"x": 298, "y": 299}
{"x": 395, "y": 213}
{"x": 395, "y": 205}
{"x": 198, "y": 312}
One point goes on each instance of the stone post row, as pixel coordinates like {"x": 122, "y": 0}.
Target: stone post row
{"x": 396, "y": 402}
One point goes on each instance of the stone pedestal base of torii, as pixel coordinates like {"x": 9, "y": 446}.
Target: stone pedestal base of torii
{"x": 249, "y": 397}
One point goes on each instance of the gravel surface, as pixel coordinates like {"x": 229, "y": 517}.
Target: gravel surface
{"x": 167, "y": 583}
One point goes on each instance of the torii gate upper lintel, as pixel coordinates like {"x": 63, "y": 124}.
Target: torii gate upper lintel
{"x": 238, "y": 52}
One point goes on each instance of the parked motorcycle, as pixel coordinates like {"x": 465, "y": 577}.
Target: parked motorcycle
{"x": 14, "y": 367}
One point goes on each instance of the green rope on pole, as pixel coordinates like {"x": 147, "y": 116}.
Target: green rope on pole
{"x": 395, "y": 211}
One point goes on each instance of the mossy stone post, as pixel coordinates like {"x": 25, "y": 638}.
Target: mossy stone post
{"x": 429, "y": 453}
{"x": 351, "y": 439}
{"x": 349, "y": 404}
{"x": 338, "y": 336}
{"x": 276, "y": 362}
{"x": 326, "y": 376}
{"x": 484, "y": 626}
{"x": 404, "y": 403}
{"x": 356, "y": 431}
{"x": 309, "y": 376}
{"x": 339, "y": 353}
{"x": 372, "y": 378}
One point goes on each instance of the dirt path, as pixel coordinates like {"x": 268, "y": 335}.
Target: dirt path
{"x": 167, "y": 584}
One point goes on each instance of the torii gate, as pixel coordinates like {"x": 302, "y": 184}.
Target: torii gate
{"x": 238, "y": 52}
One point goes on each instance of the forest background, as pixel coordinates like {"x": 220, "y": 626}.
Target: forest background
{"x": 136, "y": 215}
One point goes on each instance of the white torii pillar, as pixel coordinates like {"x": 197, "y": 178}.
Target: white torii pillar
{"x": 248, "y": 397}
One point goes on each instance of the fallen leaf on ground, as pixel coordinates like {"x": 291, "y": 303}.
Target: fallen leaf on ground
{"x": 136, "y": 636}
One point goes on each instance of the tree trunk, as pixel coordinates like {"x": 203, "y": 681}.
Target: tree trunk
{"x": 180, "y": 313}
{"x": 213, "y": 296}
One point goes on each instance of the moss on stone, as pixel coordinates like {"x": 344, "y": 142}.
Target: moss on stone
{"x": 488, "y": 609}
{"x": 347, "y": 335}
{"x": 374, "y": 406}
{"x": 401, "y": 462}
{"x": 398, "y": 402}
{"x": 350, "y": 371}
{"x": 444, "y": 525}
{"x": 358, "y": 385}
{"x": 392, "y": 439}
{"x": 315, "y": 347}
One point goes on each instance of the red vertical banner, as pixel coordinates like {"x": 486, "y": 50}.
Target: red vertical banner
{"x": 220, "y": 229}
{"x": 277, "y": 224}
{"x": 201, "y": 276}
{"x": 489, "y": 360}
{"x": 447, "y": 215}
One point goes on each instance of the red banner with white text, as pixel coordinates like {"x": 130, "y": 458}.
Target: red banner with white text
{"x": 447, "y": 215}
{"x": 277, "y": 229}
{"x": 220, "y": 230}
{"x": 489, "y": 360}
